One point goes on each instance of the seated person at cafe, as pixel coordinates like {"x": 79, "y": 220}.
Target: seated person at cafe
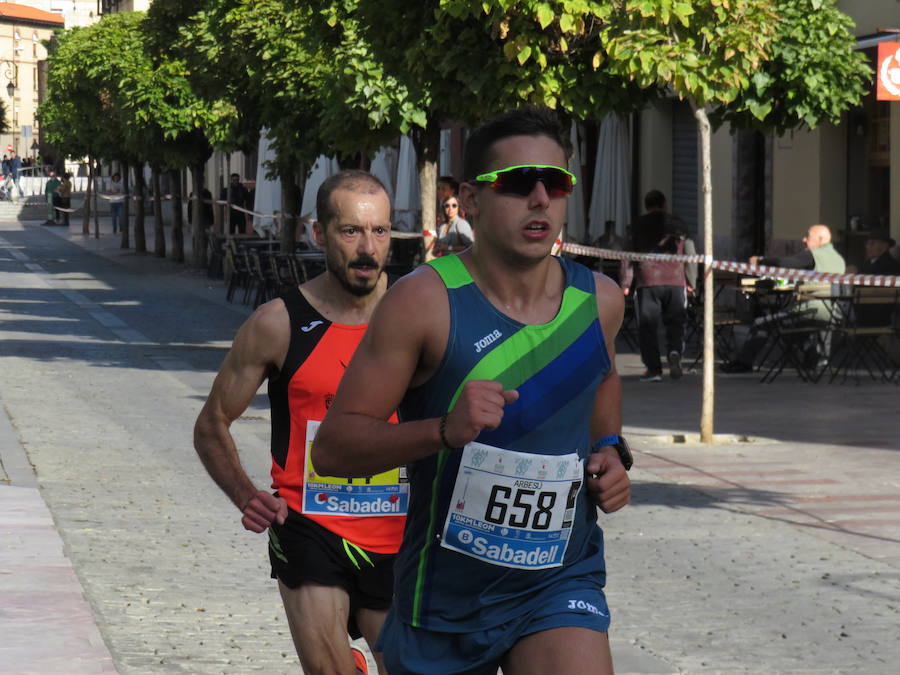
{"x": 878, "y": 255}
{"x": 819, "y": 255}
{"x": 878, "y": 261}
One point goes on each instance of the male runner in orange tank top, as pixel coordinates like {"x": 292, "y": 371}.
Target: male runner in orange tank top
{"x": 331, "y": 541}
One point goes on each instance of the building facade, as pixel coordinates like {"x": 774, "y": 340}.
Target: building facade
{"x": 23, "y": 32}
{"x": 112, "y": 6}
{"x": 72, "y": 12}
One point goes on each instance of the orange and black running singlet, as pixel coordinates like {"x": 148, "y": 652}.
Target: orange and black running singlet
{"x": 369, "y": 512}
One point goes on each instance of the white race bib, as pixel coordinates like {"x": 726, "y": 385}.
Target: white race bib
{"x": 513, "y": 509}
{"x": 385, "y": 494}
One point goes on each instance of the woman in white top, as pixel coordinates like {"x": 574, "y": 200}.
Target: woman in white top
{"x": 454, "y": 234}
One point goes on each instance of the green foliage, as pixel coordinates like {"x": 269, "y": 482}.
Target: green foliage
{"x": 110, "y": 95}
{"x": 702, "y": 51}
{"x": 299, "y": 68}
{"x": 475, "y": 58}
{"x": 768, "y": 64}
{"x": 812, "y": 74}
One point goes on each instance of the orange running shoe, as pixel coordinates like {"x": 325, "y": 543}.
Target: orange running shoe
{"x": 362, "y": 666}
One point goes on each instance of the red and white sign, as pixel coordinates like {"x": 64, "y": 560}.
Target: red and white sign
{"x": 9, "y": 148}
{"x": 888, "y": 76}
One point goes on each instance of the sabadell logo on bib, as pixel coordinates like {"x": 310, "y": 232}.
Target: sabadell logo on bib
{"x": 360, "y": 506}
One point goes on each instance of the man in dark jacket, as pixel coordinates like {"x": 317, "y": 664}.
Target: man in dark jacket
{"x": 878, "y": 261}
{"x": 878, "y": 255}
{"x": 15, "y": 166}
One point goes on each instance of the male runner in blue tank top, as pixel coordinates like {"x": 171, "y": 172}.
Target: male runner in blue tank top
{"x": 501, "y": 363}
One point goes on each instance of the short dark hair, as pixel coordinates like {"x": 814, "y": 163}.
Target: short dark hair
{"x": 451, "y": 181}
{"x": 654, "y": 200}
{"x": 525, "y": 121}
{"x": 354, "y": 180}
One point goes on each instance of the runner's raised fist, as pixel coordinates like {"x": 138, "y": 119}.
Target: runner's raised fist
{"x": 479, "y": 406}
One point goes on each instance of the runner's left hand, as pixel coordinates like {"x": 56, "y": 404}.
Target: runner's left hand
{"x": 611, "y": 489}
{"x": 262, "y": 510}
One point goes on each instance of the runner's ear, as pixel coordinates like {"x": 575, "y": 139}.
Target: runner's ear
{"x": 468, "y": 200}
{"x": 318, "y": 233}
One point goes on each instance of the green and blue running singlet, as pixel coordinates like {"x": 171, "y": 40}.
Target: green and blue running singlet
{"x": 494, "y": 523}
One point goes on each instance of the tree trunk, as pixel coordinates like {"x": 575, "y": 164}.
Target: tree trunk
{"x": 707, "y": 414}
{"x": 178, "y": 222}
{"x": 198, "y": 219}
{"x": 86, "y": 222}
{"x": 96, "y": 205}
{"x": 427, "y": 156}
{"x": 290, "y": 204}
{"x": 126, "y": 205}
{"x": 140, "y": 235}
{"x": 159, "y": 246}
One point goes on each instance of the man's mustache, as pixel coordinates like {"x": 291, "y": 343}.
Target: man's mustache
{"x": 364, "y": 261}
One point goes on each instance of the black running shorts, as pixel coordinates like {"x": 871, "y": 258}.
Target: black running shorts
{"x": 302, "y": 551}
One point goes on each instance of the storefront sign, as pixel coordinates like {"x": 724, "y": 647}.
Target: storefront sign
{"x": 888, "y": 75}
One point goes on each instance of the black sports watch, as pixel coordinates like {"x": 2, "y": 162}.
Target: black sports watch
{"x": 621, "y": 446}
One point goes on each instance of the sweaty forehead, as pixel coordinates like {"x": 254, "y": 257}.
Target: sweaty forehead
{"x": 358, "y": 208}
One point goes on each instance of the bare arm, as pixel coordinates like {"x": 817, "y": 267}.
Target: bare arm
{"x": 690, "y": 269}
{"x": 260, "y": 344}
{"x": 403, "y": 344}
{"x": 611, "y": 490}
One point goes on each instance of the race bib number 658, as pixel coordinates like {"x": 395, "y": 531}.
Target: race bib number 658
{"x": 513, "y": 509}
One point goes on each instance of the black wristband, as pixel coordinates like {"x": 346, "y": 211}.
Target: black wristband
{"x": 443, "y": 429}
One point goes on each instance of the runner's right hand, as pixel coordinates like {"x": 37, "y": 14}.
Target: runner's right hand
{"x": 262, "y": 510}
{"x": 479, "y": 406}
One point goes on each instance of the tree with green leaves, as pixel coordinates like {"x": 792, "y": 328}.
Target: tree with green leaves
{"x": 110, "y": 96}
{"x": 301, "y": 73}
{"x": 771, "y": 65}
{"x": 471, "y": 59}
{"x": 77, "y": 117}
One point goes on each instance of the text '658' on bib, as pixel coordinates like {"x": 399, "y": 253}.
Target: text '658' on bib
{"x": 513, "y": 509}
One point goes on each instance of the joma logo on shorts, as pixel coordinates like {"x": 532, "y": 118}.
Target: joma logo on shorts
{"x": 488, "y": 339}
{"x": 586, "y": 606}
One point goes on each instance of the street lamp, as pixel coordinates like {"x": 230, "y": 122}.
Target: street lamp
{"x": 12, "y": 74}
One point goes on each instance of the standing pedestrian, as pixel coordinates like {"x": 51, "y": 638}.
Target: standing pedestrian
{"x": 501, "y": 361}
{"x": 331, "y": 541}
{"x": 236, "y": 195}
{"x": 116, "y": 191}
{"x": 52, "y": 197}
{"x": 661, "y": 288}
{"x": 64, "y": 193}
{"x": 15, "y": 168}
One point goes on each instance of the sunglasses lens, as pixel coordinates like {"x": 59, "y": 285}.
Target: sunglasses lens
{"x": 521, "y": 181}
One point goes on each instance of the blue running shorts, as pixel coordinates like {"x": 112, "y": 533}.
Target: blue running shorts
{"x": 578, "y": 602}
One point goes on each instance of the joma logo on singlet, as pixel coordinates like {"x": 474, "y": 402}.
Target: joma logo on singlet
{"x": 488, "y": 339}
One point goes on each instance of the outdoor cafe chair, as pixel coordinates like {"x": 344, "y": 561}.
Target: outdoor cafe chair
{"x": 869, "y": 323}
